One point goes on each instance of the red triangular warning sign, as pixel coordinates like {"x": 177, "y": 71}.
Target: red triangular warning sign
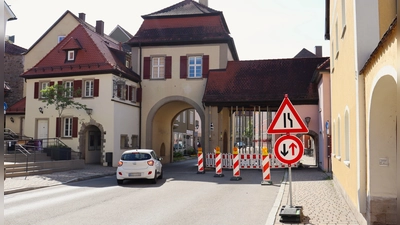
{"x": 287, "y": 120}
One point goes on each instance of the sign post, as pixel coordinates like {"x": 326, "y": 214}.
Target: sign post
{"x": 288, "y": 149}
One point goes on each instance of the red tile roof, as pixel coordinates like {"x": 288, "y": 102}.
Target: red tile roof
{"x": 17, "y": 108}
{"x": 187, "y": 22}
{"x": 263, "y": 82}
{"x": 186, "y": 7}
{"x": 96, "y": 56}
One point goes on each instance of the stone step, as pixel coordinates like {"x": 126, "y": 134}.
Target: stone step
{"x": 19, "y": 157}
{"x": 44, "y": 167}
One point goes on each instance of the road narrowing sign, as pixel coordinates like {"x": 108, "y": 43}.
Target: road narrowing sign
{"x": 287, "y": 120}
{"x": 288, "y": 149}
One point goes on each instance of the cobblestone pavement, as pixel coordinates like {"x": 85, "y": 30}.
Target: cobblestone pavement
{"x": 314, "y": 191}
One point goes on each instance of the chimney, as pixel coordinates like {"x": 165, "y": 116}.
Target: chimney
{"x": 100, "y": 27}
{"x": 204, "y": 2}
{"x": 82, "y": 16}
{"x": 318, "y": 51}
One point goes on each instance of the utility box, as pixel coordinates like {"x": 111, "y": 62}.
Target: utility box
{"x": 109, "y": 159}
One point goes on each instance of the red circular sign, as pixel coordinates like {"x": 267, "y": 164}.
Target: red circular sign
{"x": 288, "y": 149}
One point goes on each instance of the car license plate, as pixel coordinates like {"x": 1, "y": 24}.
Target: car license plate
{"x": 135, "y": 174}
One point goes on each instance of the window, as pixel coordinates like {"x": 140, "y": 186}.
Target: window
{"x": 89, "y": 88}
{"x": 67, "y": 128}
{"x": 337, "y": 38}
{"x": 343, "y": 17}
{"x": 124, "y": 141}
{"x": 60, "y": 38}
{"x": 338, "y": 156}
{"x": 347, "y": 138}
{"x": 184, "y": 117}
{"x": 119, "y": 89}
{"x": 191, "y": 117}
{"x": 195, "y": 66}
{"x": 158, "y": 67}
{"x": 135, "y": 141}
{"x": 43, "y": 85}
{"x": 69, "y": 89}
{"x": 71, "y": 55}
{"x": 133, "y": 94}
{"x": 178, "y": 118}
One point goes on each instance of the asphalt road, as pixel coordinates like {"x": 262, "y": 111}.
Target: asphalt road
{"x": 181, "y": 197}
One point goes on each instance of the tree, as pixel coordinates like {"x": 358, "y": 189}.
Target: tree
{"x": 61, "y": 97}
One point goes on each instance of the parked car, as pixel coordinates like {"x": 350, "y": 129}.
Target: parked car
{"x": 240, "y": 144}
{"x": 179, "y": 148}
{"x": 139, "y": 164}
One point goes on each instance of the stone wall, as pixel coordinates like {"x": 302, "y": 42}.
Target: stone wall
{"x": 13, "y": 67}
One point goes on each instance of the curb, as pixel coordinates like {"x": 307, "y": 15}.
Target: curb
{"x": 275, "y": 208}
{"x": 23, "y": 189}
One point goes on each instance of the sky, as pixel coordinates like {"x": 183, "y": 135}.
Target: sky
{"x": 261, "y": 29}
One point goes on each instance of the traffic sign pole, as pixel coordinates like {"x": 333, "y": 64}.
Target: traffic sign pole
{"x": 288, "y": 149}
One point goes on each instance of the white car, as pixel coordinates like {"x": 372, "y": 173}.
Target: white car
{"x": 139, "y": 164}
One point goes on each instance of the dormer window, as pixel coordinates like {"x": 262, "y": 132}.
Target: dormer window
{"x": 71, "y": 55}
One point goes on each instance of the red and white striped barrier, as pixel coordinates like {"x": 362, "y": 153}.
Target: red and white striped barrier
{"x": 246, "y": 161}
{"x": 266, "y": 167}
{"x": 200, "y": 164}
{"x": 218, "y": 163}
{"x": 236, "y": 169}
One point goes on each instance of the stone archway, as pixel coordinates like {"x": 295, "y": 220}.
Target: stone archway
{"x": 315, "y": 154}
{"x": 381, "y": 151}
{"x": 159, "y": 122}
{"x": 91, "y": 156}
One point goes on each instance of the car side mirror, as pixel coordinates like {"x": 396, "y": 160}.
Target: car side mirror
{"x": 160, "y": 159}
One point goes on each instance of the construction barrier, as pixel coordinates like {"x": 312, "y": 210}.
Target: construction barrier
{"x": 218, "y": 163}
{"x": 247, "y": 161}
{"x": 236, "y": 169}
{"x": 200, "y": 163}
{"x": 266, "y": 167}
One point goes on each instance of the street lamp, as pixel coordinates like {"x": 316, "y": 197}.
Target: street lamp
{"x": 308, "y": 119}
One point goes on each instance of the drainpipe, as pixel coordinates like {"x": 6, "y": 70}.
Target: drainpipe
{"x": 140, "y": 85}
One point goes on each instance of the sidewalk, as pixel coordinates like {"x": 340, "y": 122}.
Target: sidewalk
{"x": 18, "y": 184}
{"x": 311, "y": 188}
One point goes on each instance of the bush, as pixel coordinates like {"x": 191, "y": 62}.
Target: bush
{"x": 178, "y": 154}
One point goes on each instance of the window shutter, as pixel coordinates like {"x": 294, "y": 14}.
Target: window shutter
{"x": 58, "y": 127}
{"x": 59, "y": 82}
{"x": 130, "y": 93}
{"x": 51, "y": 83}
{"x": 146, "y": 68}
{"x": 206, "y": 65}
{"x": 168, "y": 65}
{"x": 96, "y": 88}
{"x": 78, "y": 86}
{"x": 36, "y": 90}
{"x": 119, "y": 91}
{"x": 139, "y": 95}
{"x": 75, "y": 127}
{"x": 126, "y": 92}
{"x": 183, "y": 71}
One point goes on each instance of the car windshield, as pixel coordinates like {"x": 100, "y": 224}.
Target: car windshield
{"x": 135, "y": 156}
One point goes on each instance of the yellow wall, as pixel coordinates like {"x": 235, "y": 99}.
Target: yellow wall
{"x": 387, "y": 12}
{"x": 344, "y": 97}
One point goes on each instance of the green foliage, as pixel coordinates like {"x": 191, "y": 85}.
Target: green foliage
{"x": 57, "y": 95}
{"x": 249, "y": 130}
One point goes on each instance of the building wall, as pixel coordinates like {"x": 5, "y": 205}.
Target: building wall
{"x": 156, "y": 91}
{"x": 115, "y": 116}
{"x": 63, "y": 28}
{"x": 344, "y": 96}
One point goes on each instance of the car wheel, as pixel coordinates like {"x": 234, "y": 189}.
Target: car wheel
{"x": 154, "y": 180}
{"x": 120, "y": 182}
{"x": 161, "y": 175}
